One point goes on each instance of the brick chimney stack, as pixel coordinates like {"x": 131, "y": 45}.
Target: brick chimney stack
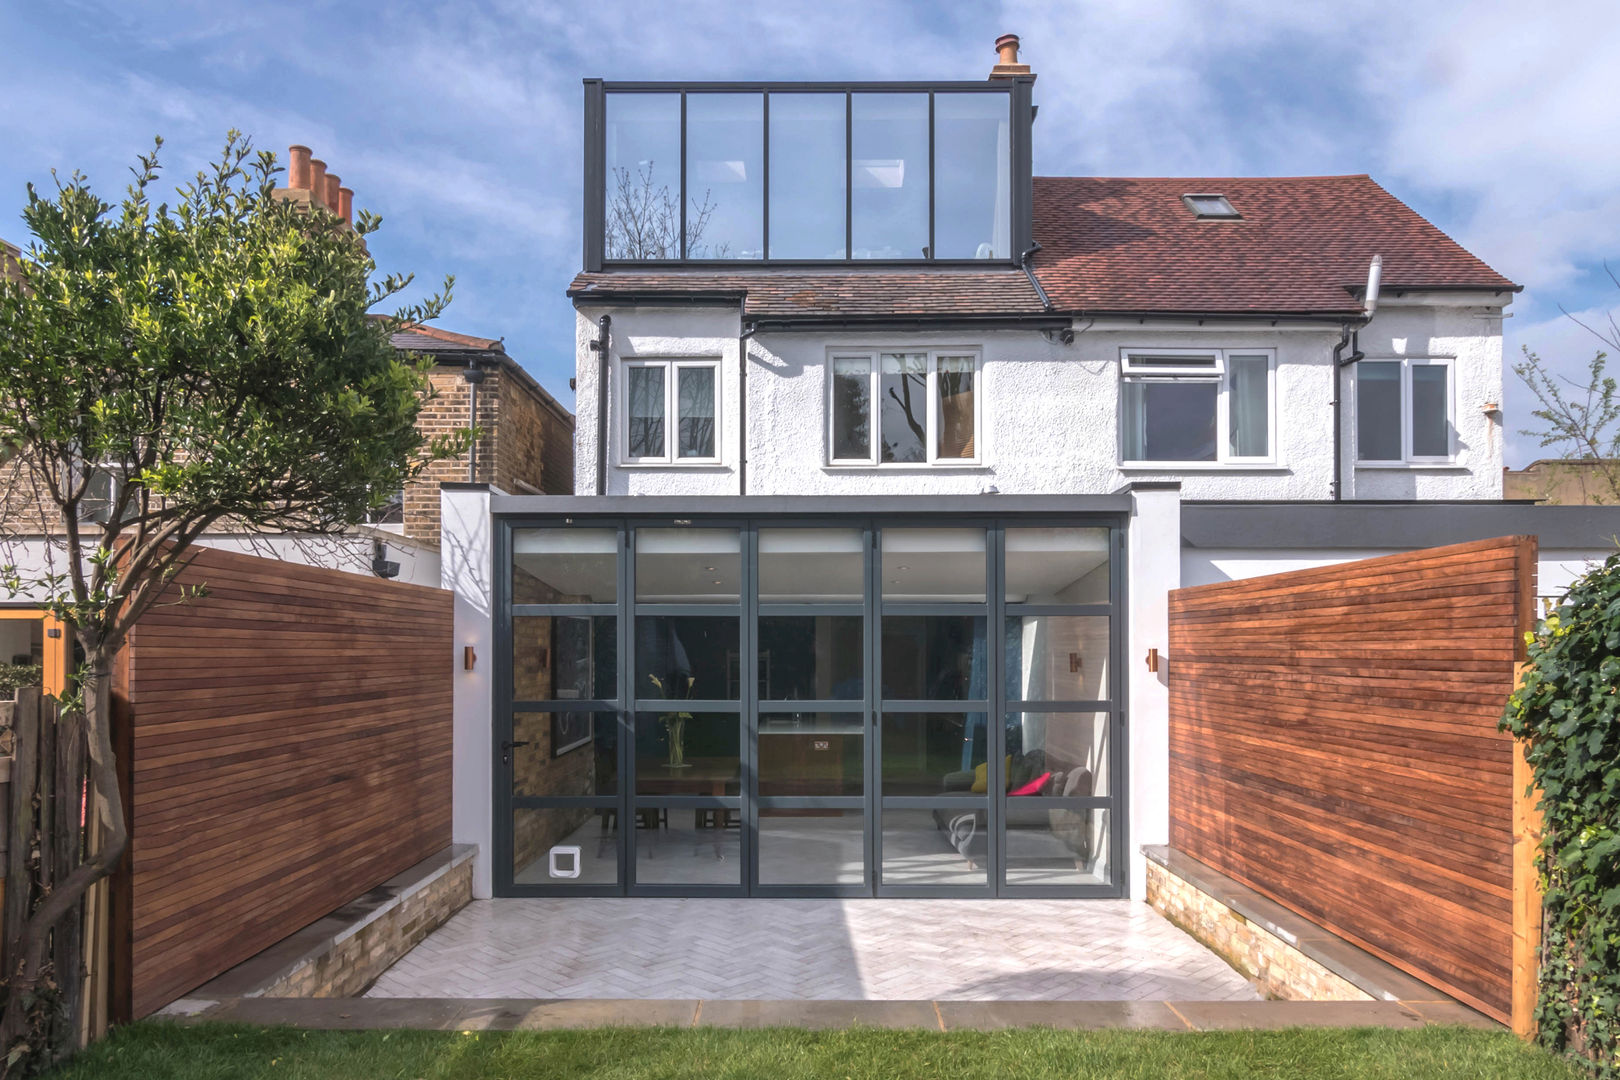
{"x": 1007, "y": 65}
{"x": 311, "y": 186}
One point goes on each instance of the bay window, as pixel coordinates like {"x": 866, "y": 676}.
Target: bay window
{"x": 670, "y": 411}
{"x": 911, "y": 407}
{"x": 1197, "y": 406}
{"x": 1403, "y": 411}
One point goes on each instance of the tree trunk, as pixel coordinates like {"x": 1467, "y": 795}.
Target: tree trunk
{"x": 28, "y": 963}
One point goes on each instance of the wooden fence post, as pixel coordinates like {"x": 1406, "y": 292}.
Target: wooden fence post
{"x": 1527, "y": 829}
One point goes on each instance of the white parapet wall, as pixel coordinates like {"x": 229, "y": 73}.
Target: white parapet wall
{"x": 467, "y": 561}
{"x": 1153, "y": 563}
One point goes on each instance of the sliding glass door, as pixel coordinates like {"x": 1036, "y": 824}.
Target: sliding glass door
{"x": 784, "y": 707}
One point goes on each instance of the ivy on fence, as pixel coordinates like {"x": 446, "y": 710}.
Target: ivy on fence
{"x": 1568, "y": 707}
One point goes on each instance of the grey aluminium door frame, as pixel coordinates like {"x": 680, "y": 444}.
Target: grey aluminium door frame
{"x": 622, "y": 710}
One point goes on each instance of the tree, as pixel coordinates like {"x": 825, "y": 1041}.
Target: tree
{"x": 164, "y": 369}
{"x": 1581, "y": 420}
{"x": 644, "y": 220}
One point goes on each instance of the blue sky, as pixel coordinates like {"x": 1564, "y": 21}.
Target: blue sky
{"x": 460, "y": 123}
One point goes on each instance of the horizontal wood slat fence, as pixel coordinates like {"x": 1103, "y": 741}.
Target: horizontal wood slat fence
{"x": 286, "y": 742}
{"x": 1334, "y": 745}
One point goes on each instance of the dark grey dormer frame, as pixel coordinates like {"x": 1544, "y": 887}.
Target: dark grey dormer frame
{"x": 1020, "y": 199}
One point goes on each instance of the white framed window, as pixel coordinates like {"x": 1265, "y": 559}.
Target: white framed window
{"x": 1404, "y": 411}
{"x": 904, "y": 407}
{"x": 671, "y": 412}
{"x": 1197, "y": 407}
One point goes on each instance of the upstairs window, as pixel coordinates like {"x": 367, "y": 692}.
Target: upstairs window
{"x": 806, "y": 172}
{"x": 670, "y": 412}
{"x": 1403, "y": 411}
{"x": 904, "y": 408}
{"x": 1181, "y": 406}
{"x": 1214, "y": 207}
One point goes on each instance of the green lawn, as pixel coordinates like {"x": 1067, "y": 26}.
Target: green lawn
{"x": 157, "y": 1051}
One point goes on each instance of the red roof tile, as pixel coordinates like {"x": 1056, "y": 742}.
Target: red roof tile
{"x": 810, "y": 293}
{"x": 1302, "y": 246}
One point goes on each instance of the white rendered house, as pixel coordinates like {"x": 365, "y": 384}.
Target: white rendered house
{"x": 888, "y": 455}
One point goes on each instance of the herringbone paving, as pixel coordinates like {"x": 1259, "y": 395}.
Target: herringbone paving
{"x": 755, "y": 949}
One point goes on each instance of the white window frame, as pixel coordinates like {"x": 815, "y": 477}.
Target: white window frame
{"x": 1219, "y": 372}
{"x": 672, "y": 367}
{"x": 874, "y": 358}
{"x": 1407, "y": 457}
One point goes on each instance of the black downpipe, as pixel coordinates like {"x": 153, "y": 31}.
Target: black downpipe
{"x": 742, "y": 408}
{"x": 473, "y": 375}
{"x": 1029, "y": 272}
{"x": 1351, "y": 339}
{"x": 600, "y": 346}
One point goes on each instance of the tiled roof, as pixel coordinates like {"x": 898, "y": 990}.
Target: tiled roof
{"x": 1119, "y": 245}
{"x": 434, "y": 341}
{"x": 1302, "y": 245}
{"x": 809, "y": 293}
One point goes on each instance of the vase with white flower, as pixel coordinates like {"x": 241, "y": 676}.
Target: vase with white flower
{"x": 678, "y": 689}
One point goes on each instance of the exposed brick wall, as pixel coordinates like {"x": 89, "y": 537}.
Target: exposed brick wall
{"x": 352, "y": 963}
{"x": 527, "y": 445}
{"x": 1281, "y": 970}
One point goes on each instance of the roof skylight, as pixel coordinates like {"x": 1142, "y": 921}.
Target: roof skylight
{"x": 1210, "y": 206}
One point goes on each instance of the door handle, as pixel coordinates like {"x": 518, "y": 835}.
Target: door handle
{"x": 506, "y": 751}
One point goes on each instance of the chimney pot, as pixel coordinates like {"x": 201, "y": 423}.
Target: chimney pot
{"x": 346, "y": 204}
{"x": 1007, "y": 65}
{"x": 333, "y": 183}
{"x": 317, "y": 180}
{"x": 298, "y": 167}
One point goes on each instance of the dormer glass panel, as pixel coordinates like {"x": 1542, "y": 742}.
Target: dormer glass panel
{"x": 725, "y": 169}
{"x": 807, "y": 172}
{"x": 643, "y": 177}
{"x": 807, "y": 176}
{"x": 889, "y": 215}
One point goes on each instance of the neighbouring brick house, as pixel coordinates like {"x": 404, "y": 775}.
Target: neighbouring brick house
{"x": 527, "y": 441}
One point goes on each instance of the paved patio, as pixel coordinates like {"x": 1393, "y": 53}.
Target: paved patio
{"x": 867, "y": 950}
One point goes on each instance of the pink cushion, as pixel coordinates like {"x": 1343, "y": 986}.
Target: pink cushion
{"x": 1034, "y": 786}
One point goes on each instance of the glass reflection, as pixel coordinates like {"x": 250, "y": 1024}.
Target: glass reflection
{"x": 811, "y": 657}
{"x": 811, "y": 754}
{"x": 972, "y": 177}
{"x": 1056, "y": 657}
{"x": 725, "y": 207}
{"x": 1057, "y": 755}
{"x": 889, "y": 211}
{"x": 642, "y": 201}
{"x": 565, "y": 566}
{"x": 947, "y": 846}
{"x": 811, "y": 566}
{"x": 565, "y": 753}
{"x": 807, "y": 176}
{"x": 812, "y": 847}
{"x": 1057, "y": 566}
{"x": 935, "y": 754}
{"x": 1066, "y": 845}
{"x": 935, "y": 658}
{"x": 565, "y": 657}
{"x": 688, "y": 657}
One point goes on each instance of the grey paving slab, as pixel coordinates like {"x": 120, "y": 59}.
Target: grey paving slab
{"x": 1079, "y": 1015}
{"x": 836, "y": 950}
{"x": 523, "y": 1015}
{"x": 343, "y": 1014}
{"x": 1271, "y": 1015}
{"x": 819, "y": 1014}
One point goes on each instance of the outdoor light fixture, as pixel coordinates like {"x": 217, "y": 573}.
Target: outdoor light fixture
{"x": 469, "y": 658}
